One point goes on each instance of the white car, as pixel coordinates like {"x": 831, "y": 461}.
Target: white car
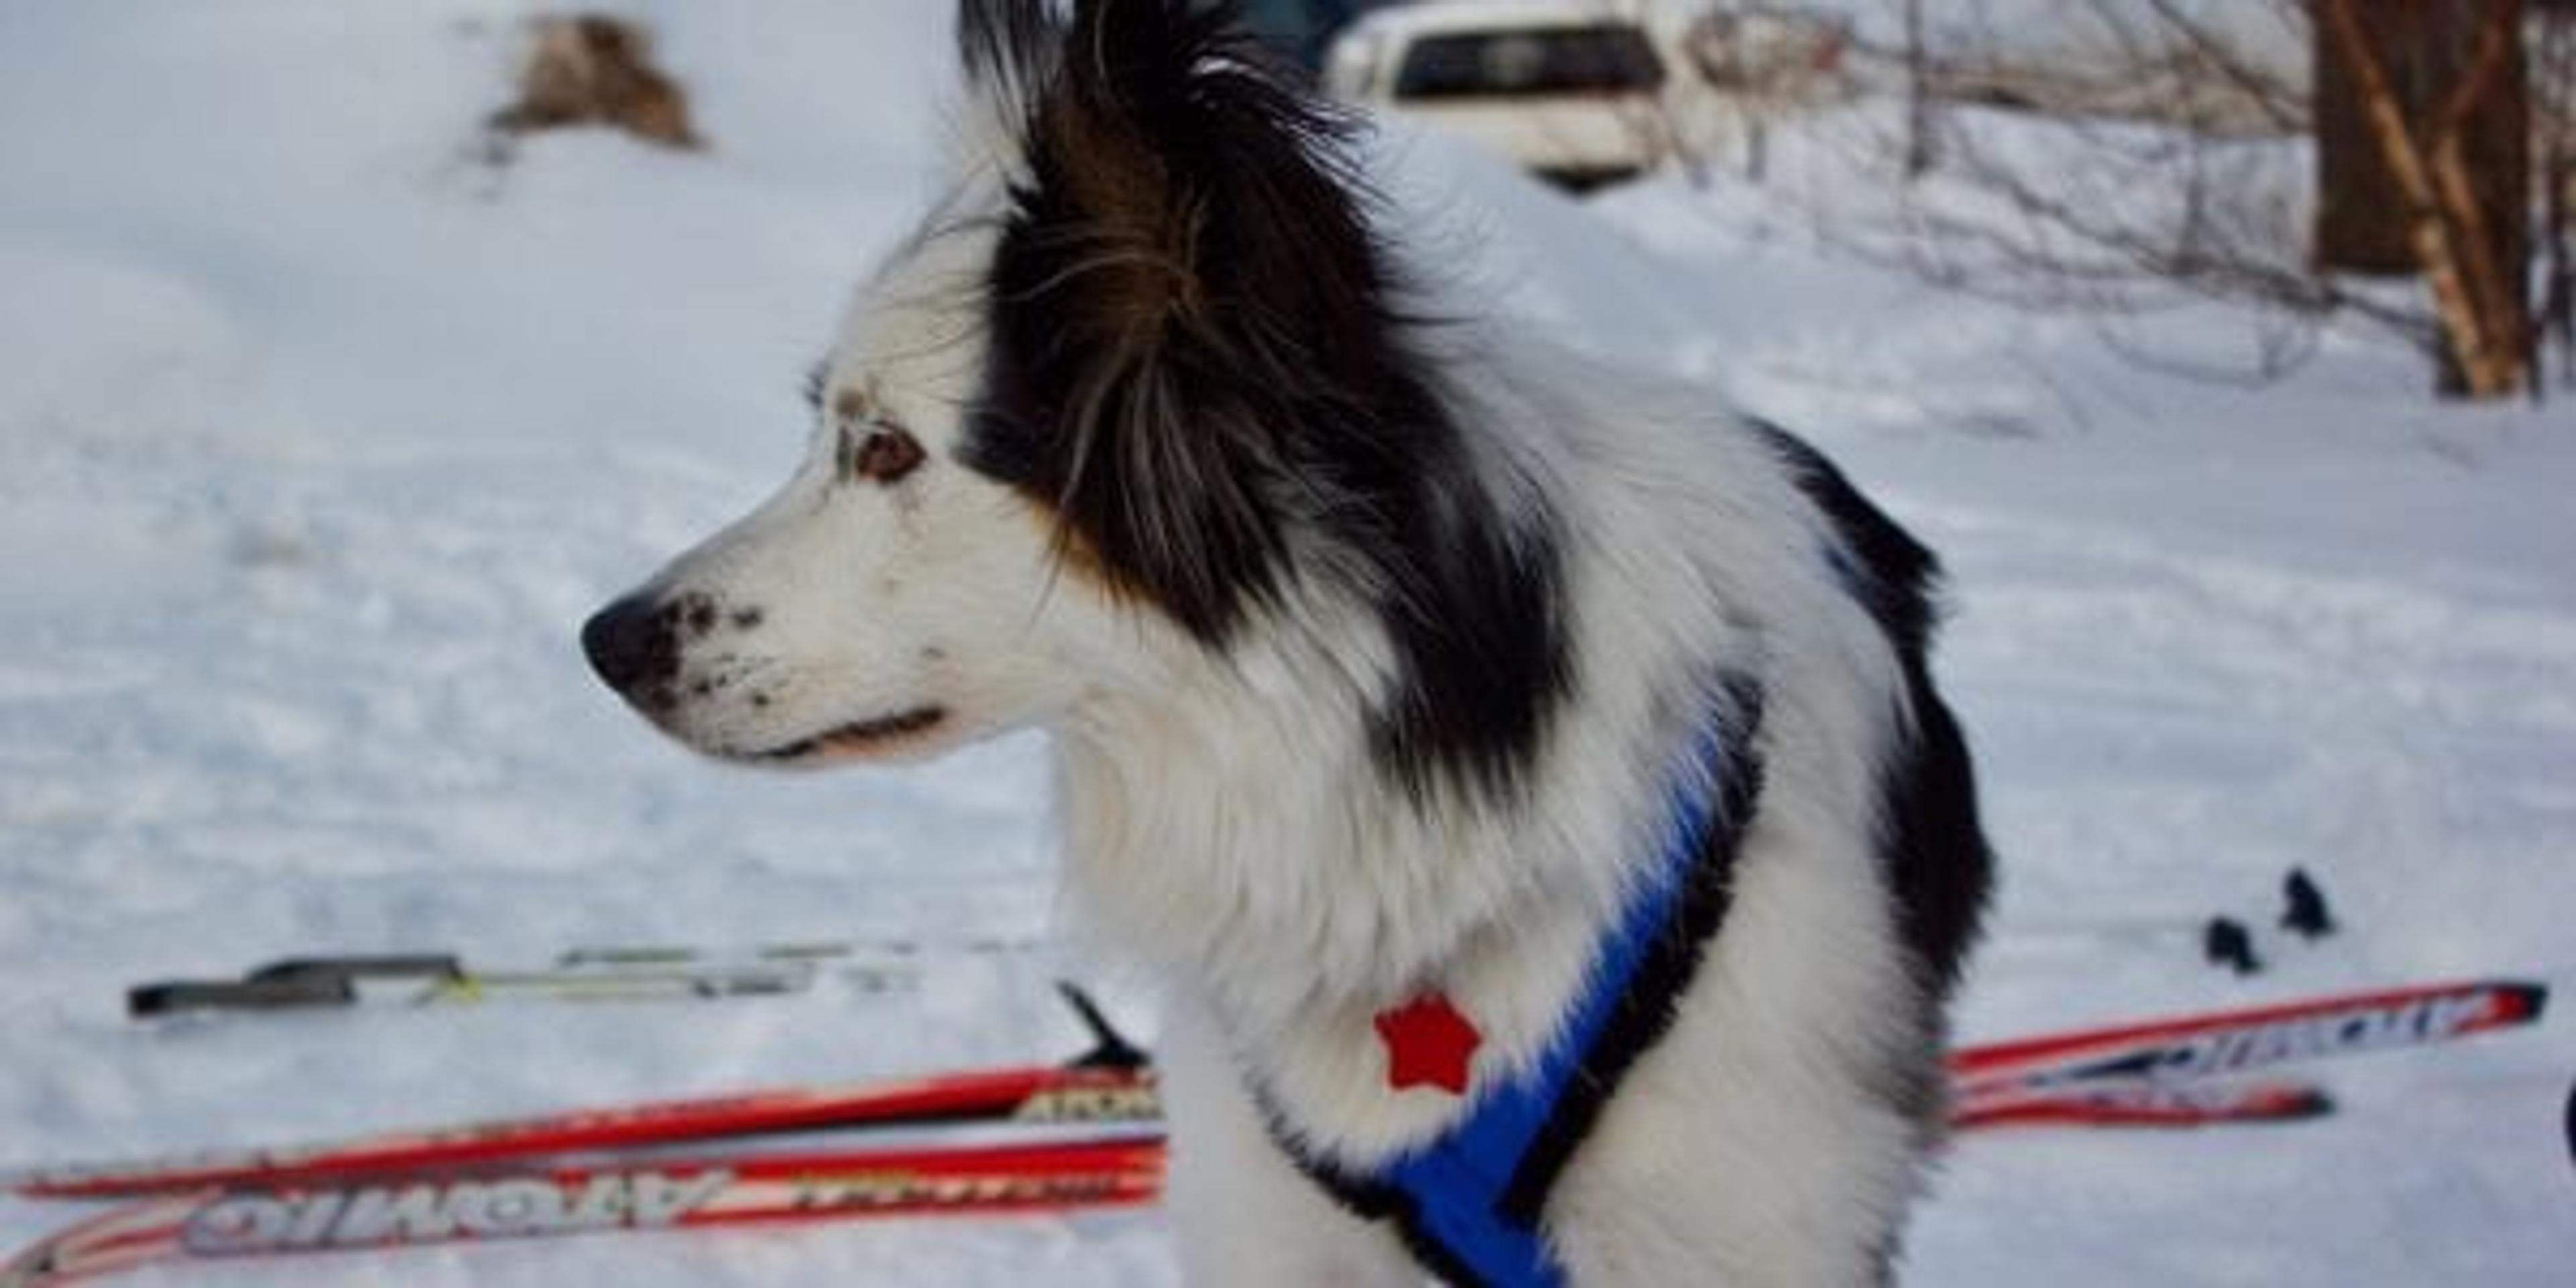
{"x": 1564, "y": 87}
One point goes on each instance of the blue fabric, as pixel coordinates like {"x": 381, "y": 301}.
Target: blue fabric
{"x": 1457, "y": 1183}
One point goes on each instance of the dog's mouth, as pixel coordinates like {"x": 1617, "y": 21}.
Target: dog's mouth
{"x": 856, "y": 737}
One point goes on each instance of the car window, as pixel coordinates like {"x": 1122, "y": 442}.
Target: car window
{"x": 1562, "y": 60}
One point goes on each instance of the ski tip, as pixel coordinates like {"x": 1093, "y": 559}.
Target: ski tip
{"x": 2308, "y": 1104}
{"x": 2531, "y": 999}
{"x": 2511, "y": 1001}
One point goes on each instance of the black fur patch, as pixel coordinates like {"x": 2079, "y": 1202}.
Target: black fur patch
{"x": 1930, "y": 841}
{"x": 1198, "y": 368}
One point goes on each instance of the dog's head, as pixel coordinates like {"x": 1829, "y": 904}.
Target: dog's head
{"x": 1137, "y": 388}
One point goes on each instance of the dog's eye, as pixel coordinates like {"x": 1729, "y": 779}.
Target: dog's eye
{"x": 879, "y": 452}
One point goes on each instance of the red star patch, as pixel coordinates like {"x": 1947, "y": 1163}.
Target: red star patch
{"x": 1428, "y": 1043}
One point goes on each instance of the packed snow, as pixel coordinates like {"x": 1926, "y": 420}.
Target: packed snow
{"x": 324, "y": 432}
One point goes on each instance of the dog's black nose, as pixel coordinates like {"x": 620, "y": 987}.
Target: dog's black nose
{"x": 634, "y": 645}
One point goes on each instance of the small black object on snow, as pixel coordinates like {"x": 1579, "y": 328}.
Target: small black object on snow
{"x": 2306, "y": 912}
{"x": 2228, "y": 943}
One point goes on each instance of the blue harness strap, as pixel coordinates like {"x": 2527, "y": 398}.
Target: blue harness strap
{"x": 1468, "y": 1202}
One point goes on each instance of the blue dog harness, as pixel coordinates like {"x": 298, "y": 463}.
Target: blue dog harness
{"x": 1468, "y": 1202}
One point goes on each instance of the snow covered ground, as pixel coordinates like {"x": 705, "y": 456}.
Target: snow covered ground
{"x": 321, "y": 437}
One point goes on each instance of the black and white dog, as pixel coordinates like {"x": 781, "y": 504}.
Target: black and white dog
{"x": 1529, "y": 784}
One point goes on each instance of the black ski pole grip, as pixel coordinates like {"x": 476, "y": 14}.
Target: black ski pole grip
{"x": 147, "y": 1001}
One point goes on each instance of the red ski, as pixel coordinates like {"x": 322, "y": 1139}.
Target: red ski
{"x": 2232, "y": 1042}
{"x": 2145, "y": 1105}
{"x": 1114, "y": 1086}
{"x": 720, "y": 1188}
{"x": 1046, "y": 1095}
{"x": 749, "y": 1182}
{"x": 1111, "y": 1084}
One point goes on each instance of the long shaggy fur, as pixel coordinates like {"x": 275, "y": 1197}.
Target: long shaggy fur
{"x": 1374, "y": 637}
{"x": 1191, "y": 306}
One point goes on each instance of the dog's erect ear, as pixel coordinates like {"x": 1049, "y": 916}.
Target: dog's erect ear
{"x": 1201, "y": 366}
{"x": 1225, "y": 190}
{"x": 1189, "y": 316}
